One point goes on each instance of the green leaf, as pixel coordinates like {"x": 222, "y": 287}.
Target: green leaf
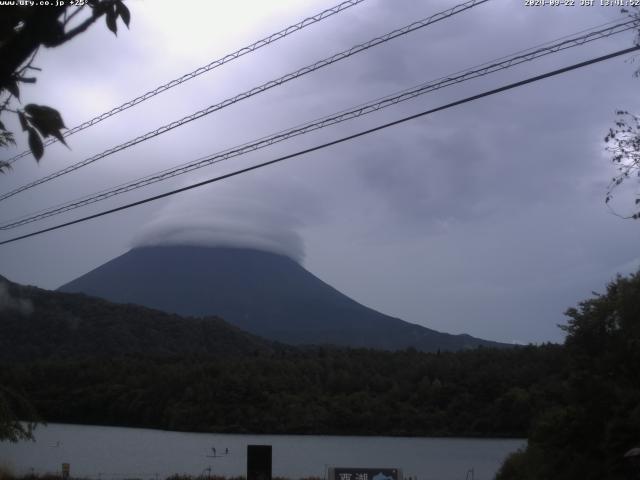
{"x": 35, "y": 144}
{"x": 42, "y": 111}
{"x": 110, "y": 18}
{"x": 58, "y": 135}
{"x": 47, "y": 120}
{"x": 123, "y": 11}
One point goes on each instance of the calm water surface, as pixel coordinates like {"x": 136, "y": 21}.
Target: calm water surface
{"x": 118, "y": 453}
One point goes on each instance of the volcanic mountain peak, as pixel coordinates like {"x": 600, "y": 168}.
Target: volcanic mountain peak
{"x": 264, "y": 293}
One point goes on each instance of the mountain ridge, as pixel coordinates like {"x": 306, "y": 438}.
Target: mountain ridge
{"x": 264, "y": 293}
{"x": 38, "y": 324}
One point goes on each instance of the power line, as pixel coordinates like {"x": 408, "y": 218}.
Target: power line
{"x": 204, "y": 69}
{"x": 354, "y": 112}
{"x": 328, "y": 144}
{"x": 254, "y": 91}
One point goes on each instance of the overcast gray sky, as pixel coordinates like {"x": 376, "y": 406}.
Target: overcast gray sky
{"x": 486, "y": 219}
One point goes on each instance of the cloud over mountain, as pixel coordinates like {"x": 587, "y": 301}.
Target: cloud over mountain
{"x": 227, "y": 216}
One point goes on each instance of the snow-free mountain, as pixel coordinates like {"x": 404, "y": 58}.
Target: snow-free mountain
{"x": 37, "y": 324}
{"x": 264, "y": 293}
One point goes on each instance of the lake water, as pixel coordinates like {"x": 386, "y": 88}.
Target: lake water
{"x": 120, "y": 453}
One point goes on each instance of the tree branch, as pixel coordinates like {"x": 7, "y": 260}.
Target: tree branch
{"x": 98, "y": 11}
{"x": 68, "y": 19}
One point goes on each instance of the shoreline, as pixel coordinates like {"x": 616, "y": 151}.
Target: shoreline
{"x": 311, "y": 434}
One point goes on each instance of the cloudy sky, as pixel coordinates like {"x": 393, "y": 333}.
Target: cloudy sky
{"x": 487, "y": 218}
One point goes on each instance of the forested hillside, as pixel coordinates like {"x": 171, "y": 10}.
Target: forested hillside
{"x": 85, "y": 360}
{"x": 578, "y": 403}
{"x": 37, "y": 324}
{"x": 484, "y": 392}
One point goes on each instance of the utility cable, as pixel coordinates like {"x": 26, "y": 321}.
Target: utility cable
{"x": 204, "y": 69}
{"x": 254, "y": 91}
{"x": 354, "y": 112}
{"x": 328, "y": 144}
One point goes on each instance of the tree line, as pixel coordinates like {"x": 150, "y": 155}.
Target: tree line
{"x": 578, "y": 403}
{"x": 595, "y": 419}
{"x": 484, "y": 392}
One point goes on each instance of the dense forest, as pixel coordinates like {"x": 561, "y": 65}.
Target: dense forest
{"x": 86, "y": 360}
{"x": 484, "y": 392}
{"x": 578, "y": 403}
{"x": 37, "y": 324}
